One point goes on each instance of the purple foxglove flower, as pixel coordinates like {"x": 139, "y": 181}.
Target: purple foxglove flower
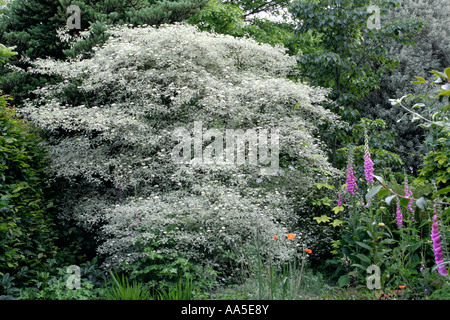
{"x": 351, "y": 178}
{"x": 437, "y": 249}
{"x": 408, "y": 193}
{"x": 339, "y": 203}
{"x": 399, "y": 215}
{"x": 368, "y": 166}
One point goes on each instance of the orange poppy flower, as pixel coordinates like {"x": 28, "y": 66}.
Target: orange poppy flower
{"x": 275, "y": 237}
{"x": 402, "y": 287}
{"x": 308, "y": 250}
{"x": 290, "y": 236}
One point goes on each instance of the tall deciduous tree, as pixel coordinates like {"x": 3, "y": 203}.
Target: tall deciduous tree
{"x": 252, "y": 7}
{"x": 430, "y": 52}
{"x": 349, "y": 55}
{"x": 232, "y": 18}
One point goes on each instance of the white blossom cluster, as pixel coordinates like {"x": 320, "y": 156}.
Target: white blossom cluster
{"x": 111, "y": 145}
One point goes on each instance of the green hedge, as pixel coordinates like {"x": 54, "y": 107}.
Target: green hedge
{"x": 26, "y": 238}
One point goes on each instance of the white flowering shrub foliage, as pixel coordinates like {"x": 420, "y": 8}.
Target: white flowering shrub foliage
{"x": 109, "y": 126}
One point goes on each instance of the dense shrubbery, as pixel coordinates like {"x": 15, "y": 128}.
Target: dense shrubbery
{"x": 26, "y": 235}
{"x": 399, "y": 226}
{"x": 107, "y": 139}
{"x": 429, "y": 52}
{"x": 111, "y": 143}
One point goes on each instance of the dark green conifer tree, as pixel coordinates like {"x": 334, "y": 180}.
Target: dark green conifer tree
{"x": 31, "y": 26}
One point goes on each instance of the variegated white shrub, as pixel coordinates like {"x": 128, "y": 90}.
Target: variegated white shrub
{"x": 109, "y": 127}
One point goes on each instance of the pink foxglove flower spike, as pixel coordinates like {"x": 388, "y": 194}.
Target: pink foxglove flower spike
{"x": 368, "y": 163}
{"x": 399, "y": 215}
{"x": 437, "y": 249}
{"x": 351, "y": 178}
{"x": 408, "y": 193}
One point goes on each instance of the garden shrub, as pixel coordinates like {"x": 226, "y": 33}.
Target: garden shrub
{"x": 111, "y": 147}
{"x": 26, "y": 235}
{"x": 57, "y": 285}
{"x": 399, "y": 226}
{"x": 429, "y": 52}
{"x": 441, "y": 294}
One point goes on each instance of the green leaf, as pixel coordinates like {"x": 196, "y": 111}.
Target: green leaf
{"x": 438, "y": 74}
{"x": 363, "y": 257}
{"x": 359, "y": 266}
{"x": 326, "y": 201}
{"x": 444, "y": 93}
{"x": 337, "y": 223}
{"x": 383, "y": 192}
{"x": 404, "y": 202}
{"x": 389, "y": 199}
{"x": 440, "y": 264}
{"x": 447, "y": 72}
{"x": 322, "y": 218}
{"x": 416, "y": 246}
{"x": 343, "y": 281}
{"x": 372, "y": 192}
{"x": 337, "y": 209}
{"x": 19, "y": 187}
{"x": 364, "y": 245}
{"x": 324, "y": 185}
{"x": 421, "y": 80}
{"x": 421, "y": 203}
{"x": 441, "y": 191}
{"x": 378, "y": 178}
{"x": 387, "y": 241}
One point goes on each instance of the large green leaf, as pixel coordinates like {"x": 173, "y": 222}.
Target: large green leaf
{"x": 421, "y": 203}
{"x": 441, "y": 191}
{"x": 373, "y": 192}
{"x": 389, "y": 199}
{"x": 364, "y": 245}
{"x": 322, "y": 218}
{"x": 383, "y": 192}
{"x": 363, "y": 257}
{"x": 378, "y": 178}
{"x": 447, "y": 72}
{"x": 440, "y": 264}
{"x": 343, "y": 281}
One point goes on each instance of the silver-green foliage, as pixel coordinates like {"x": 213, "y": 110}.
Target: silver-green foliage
{"x": 430, "y": 52}
{"x": 111, "y": 141}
